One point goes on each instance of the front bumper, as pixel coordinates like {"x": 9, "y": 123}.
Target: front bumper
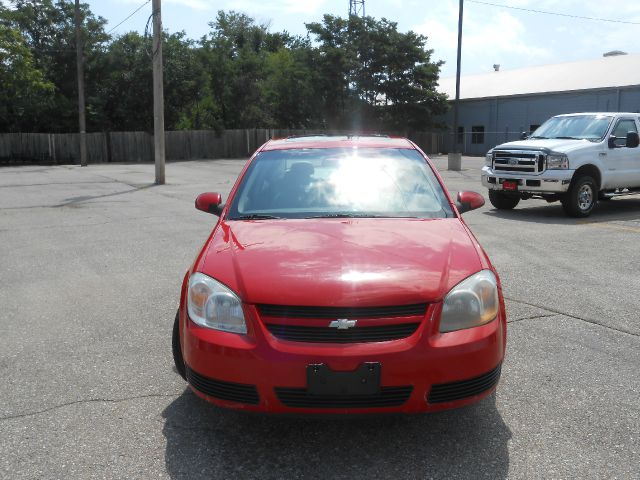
{"x": 426, "y": 371}
{"x": 550, "y": 181}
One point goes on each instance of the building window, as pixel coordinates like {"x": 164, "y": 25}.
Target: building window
{"x": 477, "y": 135}
{"x": 460, "y": 136}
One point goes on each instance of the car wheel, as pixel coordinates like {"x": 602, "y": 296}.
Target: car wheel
{"x": 177, "y": 351}
{"x": 581, "y": 197}
{"x": 501, "y": 201}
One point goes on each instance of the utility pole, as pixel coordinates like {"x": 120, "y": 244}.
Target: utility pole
{"x": 455, "y": 158}
{"x": 82, "y": 121}
{"x": 158, "y": 93}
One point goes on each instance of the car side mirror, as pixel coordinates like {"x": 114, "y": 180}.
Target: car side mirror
{"x": 633, "y": 139}
{"x": 210, "y": 202}
{"x": 467, "y": 201}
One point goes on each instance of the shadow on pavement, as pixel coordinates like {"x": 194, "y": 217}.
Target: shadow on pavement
{"x": 208, "y": 442}
{"x": 618, "y": 209}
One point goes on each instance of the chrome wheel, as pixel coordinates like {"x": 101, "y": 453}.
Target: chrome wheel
{"x": 585, "y": 197}
{"x": 581, "y": 197}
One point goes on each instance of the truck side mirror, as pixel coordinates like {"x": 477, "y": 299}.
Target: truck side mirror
{"x": 524, "y": 136}
{"x": 612, "y": 141}
{"x": 633, "y": 139}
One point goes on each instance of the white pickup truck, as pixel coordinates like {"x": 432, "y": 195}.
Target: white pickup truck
{"x": 578, "y": 159}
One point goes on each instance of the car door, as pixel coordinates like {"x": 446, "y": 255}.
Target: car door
{"x": 623, "y": 163}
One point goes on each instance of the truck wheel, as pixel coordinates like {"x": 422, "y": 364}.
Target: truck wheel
{"x": 581, "y": 197}
{"x": 501, "y": 201}
{"x": 175, "y": 346}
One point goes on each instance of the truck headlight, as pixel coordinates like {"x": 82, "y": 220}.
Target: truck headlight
{"x": 211, "y": 304}
{"x": 471, "y": 303}
{"x": 488, "y": 158}
{"x": 556, "y": 161}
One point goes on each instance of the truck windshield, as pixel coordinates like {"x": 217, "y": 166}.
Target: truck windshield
{"x": 339, "y": 183}
{"x": 579, "y": 127}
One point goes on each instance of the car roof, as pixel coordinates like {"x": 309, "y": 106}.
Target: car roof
{"x": 338, "y": 141}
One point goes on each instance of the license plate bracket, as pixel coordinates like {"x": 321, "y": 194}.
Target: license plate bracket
{"x": 365, "y": 380}
{"x": 510, "y": 185}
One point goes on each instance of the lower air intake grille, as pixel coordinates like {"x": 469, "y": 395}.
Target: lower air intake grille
{"x": 449, "y": 392}
{"x": 388, "y": 397}
{"x": 235, "y": 392}
{"x": 382, "y": 333}
{"x": 290, "y": 311}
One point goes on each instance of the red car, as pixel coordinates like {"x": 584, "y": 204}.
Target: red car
{"x": 340, "y": 278}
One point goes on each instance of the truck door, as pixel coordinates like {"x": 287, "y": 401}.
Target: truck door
{"x": 623, "y": 163}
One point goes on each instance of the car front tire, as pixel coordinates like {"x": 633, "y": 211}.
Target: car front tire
{"x": 177, "y": 350}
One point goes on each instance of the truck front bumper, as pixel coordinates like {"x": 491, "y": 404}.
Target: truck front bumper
{"x": 550, "y": 181}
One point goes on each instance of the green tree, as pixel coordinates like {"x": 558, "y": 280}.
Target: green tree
{"x": 289, "y": 88}
{"x": 48, "y": 29}
{"x": 383, "y": 78}
{"x": 24, "y": 87}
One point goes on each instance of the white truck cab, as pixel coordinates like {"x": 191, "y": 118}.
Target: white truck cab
{"x": 578, "y": 159}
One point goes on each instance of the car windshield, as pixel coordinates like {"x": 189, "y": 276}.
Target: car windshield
{"x": 339, "y": 182}
{"x": 579, "y": 127}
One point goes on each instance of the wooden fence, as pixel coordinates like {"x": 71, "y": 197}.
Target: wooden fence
{"x": 137, "y": 147}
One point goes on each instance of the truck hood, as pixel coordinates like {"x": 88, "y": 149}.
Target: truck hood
{"x": 556, "y": 145}
{"x": 341, "y": 262}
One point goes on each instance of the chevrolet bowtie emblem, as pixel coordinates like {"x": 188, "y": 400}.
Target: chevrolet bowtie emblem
{"x": 343, "y": 324}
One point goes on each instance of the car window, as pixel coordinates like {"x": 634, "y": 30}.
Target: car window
{"x": 305, "y": 183}
{"x": 620, "y": 132}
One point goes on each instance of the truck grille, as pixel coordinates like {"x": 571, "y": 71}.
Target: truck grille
{"x": 518, "y": 161}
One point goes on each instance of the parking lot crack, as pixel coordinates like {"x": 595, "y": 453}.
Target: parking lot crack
{"x": 533, "y": 317}
{"x": 575, "y": 317}
{"x": 90, "y": 400}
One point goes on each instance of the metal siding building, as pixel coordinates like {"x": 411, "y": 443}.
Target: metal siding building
{"x": 498, "y": 106}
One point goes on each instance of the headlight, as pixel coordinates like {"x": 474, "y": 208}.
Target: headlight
{"x": 488, "y": 158}
{"x": 557, "y": 161}
{"x": 471, "y": 303}
{"x": 212, "y": 305}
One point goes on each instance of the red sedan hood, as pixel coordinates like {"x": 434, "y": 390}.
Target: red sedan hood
{"x": 361, "y": 262}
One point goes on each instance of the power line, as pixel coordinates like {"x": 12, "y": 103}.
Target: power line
{"x": 555, "y": 13}
{"x": 129, "y": 16}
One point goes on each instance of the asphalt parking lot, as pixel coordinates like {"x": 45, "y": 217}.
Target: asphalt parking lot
{"x": 91, "y": 264}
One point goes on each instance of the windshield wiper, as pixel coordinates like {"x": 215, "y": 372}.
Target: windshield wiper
{"x": 542, "y": 138}
{"x": 348, "y": 215}
{"x": 567, "y": 138}
{"x": 255, "y": 216}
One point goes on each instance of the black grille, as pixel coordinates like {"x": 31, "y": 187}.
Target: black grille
{"x": 520, "y": 154}
{"x": 288, "y": 311}
{"x": 236, "y": 392}
{"x": 381, "y": 333}
{"x": 448, "y": 392}
{"x": 510, "y": 169}
{"x": 388, "y": 397}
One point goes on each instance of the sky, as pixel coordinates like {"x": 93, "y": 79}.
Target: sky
{"x": 491, "y": 34}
